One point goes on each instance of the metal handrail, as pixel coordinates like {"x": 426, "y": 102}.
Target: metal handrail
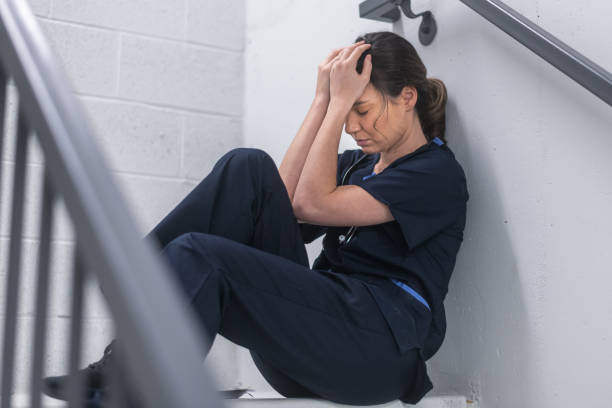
{"x": 563, "y": 57}
{"x": 148, "y": 310}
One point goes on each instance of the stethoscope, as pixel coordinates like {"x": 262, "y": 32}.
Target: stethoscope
{"x": 346, "y": 238}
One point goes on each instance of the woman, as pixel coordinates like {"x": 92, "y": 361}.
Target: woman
{"x": 358, "y": 326}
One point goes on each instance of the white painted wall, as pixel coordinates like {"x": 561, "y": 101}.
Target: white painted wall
{"x": 528, "y": 307}
{"x": 162, "y": 82}
{"x": 529, "y": 304}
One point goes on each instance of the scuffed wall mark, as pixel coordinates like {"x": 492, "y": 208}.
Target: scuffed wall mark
{"x": 474, "y": 391}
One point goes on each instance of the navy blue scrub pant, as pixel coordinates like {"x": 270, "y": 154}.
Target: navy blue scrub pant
{"x": 235, "y": 247}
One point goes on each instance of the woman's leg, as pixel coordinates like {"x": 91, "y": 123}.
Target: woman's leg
{"x": 321, "y": 329}
{"x": 240, "y": 199}
{"x": 281, "y": 382}
{"x": 313, "y": 332}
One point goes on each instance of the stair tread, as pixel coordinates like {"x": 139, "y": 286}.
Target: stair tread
{"x": 273, "y": 399}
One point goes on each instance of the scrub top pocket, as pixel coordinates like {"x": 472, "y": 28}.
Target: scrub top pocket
{"x": 407, "y": 326}
{"x": 422, "y": 314}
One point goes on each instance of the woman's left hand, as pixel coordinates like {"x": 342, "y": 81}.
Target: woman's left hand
{"x": 346, "y": 85}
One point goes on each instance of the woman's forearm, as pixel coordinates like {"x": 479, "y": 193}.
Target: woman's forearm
{"x": 291, "y": 167}
{"x": 318, "y": 178}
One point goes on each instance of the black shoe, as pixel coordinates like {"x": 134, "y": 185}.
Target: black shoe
{"x": 96, "y": 380}
{"x": 94, "y": 376}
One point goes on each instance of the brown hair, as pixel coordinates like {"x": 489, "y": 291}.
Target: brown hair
{"x": 396, "y": 64}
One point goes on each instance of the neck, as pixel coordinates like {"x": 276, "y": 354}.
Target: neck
{"x": 404, "y": 146}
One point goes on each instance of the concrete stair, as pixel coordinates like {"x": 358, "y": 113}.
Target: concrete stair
{"x": 275, "y": 400}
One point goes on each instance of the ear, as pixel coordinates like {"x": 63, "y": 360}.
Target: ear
{"x": 409, "y": 97}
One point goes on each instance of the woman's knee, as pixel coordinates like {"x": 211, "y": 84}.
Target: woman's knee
{"x": 192, "y": 261}
{"x": 198, "y": 244}
{"x": 249, "y": 152}
{"x": 251, "y": 157}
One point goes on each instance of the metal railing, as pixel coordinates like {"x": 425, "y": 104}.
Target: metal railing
{"x": 162, "y": 368}
{"x": 563, "y": 57}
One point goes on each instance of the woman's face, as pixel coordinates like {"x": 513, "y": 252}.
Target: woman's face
{"x": 393, "y": 121}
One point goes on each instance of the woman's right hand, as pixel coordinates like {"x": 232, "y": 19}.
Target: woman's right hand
{"x": 322, "y": 91}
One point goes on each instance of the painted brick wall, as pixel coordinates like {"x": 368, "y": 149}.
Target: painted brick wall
{"x": 162, "y": 83}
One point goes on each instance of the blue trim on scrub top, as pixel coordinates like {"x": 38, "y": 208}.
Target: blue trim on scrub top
{"x": 436, "y": 140}
{"x": 402, "y": 285}
{"x": 368, "y": 176}
{"x": 412, "y": 292}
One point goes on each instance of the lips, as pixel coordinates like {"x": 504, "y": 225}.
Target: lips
{"x": 362, "y": 141}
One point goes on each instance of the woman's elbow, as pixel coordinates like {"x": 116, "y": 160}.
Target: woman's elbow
{"x": 299, "y": 207}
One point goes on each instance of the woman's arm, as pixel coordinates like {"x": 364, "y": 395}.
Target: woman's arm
{"x": 318, "y": 199}
{"x": 291, "y": 167}
{"x": 293, "y": 162}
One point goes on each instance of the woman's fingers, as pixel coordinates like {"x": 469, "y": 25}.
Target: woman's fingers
{"x": 334, "y": 52}
{"x": 353, "y": 51}
{"x": 334, "y": 55}
{"x": 357, "y": 51}
{"x": 340, "y": 52}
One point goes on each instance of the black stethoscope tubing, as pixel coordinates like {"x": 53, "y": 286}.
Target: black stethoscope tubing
{"x": 346, "y": 238}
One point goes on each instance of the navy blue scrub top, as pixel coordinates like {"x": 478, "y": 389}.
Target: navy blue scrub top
{"x": 426, "y": 192}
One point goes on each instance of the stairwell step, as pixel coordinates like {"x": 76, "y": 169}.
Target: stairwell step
{"x": 275, "y": 400}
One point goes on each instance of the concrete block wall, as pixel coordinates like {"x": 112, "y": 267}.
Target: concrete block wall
{"x": 162, "y": 84}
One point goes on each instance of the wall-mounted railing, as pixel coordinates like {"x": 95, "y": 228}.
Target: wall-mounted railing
{"x": 563, "y": 57}
{"x": 162, "y": 359}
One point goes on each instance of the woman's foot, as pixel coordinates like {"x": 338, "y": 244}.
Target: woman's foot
{"x": 94, "y": 378}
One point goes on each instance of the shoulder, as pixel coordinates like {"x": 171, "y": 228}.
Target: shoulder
{"x": 438, "y": 161}
{"x": 435, "y": 171}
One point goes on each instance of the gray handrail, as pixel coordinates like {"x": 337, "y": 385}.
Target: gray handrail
{"x": 161, "y": 341}
{"x": 566, "y": 59}
{"x": 563, "y": 57}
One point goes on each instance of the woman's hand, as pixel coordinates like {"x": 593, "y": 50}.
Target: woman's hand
{"x": 346, "y": 85}
{"x": 322, "y": 92}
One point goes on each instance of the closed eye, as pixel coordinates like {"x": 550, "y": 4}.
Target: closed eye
{"x": 361, "y": 114}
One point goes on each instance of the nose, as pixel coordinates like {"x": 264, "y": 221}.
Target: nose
{"x": 352, "y": 124}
